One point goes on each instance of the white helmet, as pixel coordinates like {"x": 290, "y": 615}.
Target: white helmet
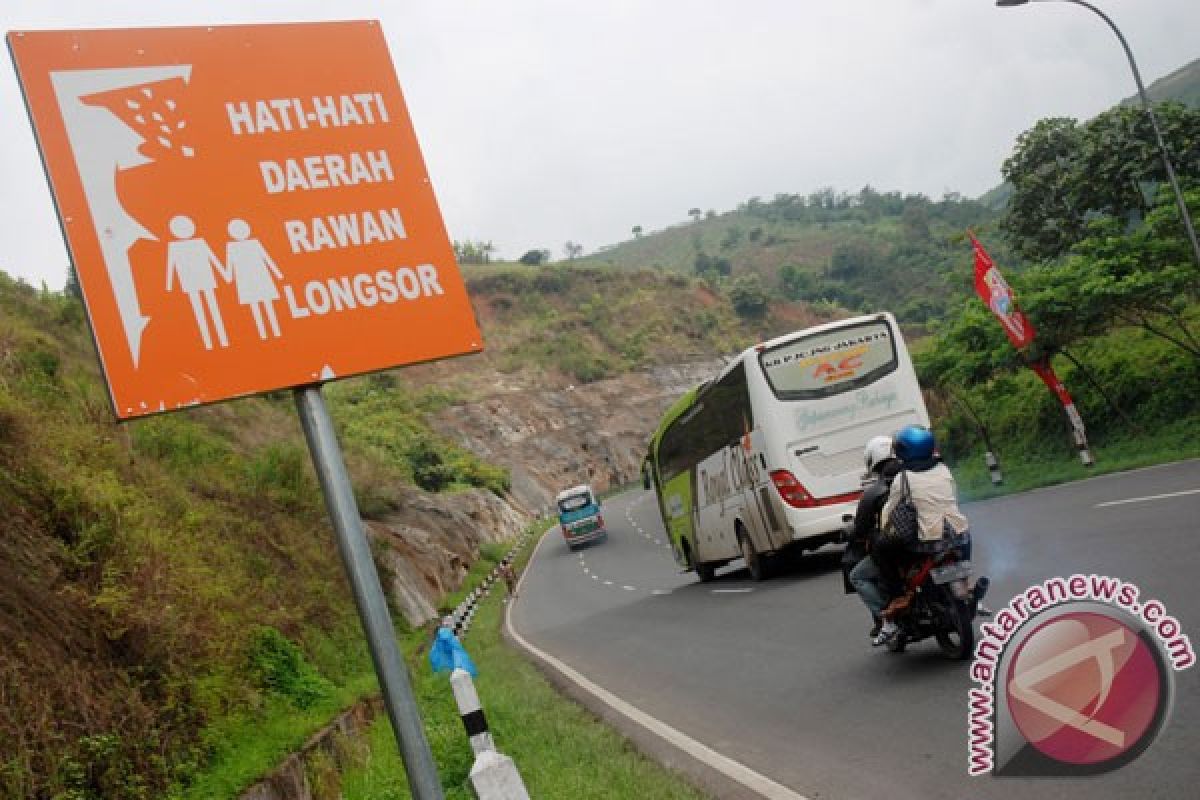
{"x": 878, "y": 449}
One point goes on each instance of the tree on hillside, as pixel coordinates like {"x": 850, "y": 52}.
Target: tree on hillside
{"x": 471, "y": 252}
{"x": 748, "y": 296}
{"x": 695, "y": 214}
{"x": 637, "y": 231}
{"x": 705, "y": 263}
{"x": 1143, "y": 279}
{"x": 535, "y": 258}
{"x": 798, "y": 283}
{"x": 1064, "y": 174}
{"x": 1043, "y": 219}
{"x": 573, "y": 250}
{"x": 856, "y": 260}
{"x": 71, "y": 289}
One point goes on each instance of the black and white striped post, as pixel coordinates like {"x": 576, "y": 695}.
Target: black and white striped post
{"x": 494, "y": 775}
{"x": 993, "y": 467}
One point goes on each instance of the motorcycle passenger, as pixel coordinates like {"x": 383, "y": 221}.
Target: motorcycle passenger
{"x": 860, "y": 557}
{"x": 933, "y": 492}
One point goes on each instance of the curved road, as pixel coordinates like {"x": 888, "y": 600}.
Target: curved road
{"x": 779, "y": 676}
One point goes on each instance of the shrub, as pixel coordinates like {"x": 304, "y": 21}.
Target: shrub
{"x": 278, "y": 665}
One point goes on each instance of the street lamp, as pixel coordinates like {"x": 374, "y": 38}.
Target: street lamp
{"x": 1137, "y": 77}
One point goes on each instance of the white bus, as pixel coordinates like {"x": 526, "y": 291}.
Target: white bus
{"x": 768, "y": 455}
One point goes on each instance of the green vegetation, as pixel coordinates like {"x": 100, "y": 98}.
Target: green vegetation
{"x": 1115, "y": 301}
{"x": 861, "y": 252}
{"x": 581, "y": 324}
{"x": 175, "y": 611}
{"x": 560, "y": 749}
{"x": 386, "y": 420}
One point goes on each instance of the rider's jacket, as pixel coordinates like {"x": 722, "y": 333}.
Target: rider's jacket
{"x": 866, "y": 520}
{"x": 935, "y": 496}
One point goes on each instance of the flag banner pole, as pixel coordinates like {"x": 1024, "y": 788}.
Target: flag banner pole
{"x": 423, "y": 780}
{"x": 998, "y": 296}
{"x": 1078, "y": 432}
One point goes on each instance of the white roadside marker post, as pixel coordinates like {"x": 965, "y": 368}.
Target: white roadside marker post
{"x": 494, "y": 775}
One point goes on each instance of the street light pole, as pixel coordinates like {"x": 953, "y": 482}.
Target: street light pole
{"x": 1137, "y": 77}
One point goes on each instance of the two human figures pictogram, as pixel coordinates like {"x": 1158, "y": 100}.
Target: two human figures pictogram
{"x": 247, "y": 264}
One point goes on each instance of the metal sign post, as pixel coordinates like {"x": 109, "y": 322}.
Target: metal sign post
{"x": 402, "y": 709}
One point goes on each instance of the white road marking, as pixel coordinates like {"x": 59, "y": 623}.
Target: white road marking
{"x": 595, "y": 577}
{"x": 608, "y": 583}
{"x": 1147, "y": 498}
{"x": 662, "y": 591}
{"x": 706, "y": 755}
{"x": 731, "y": 591}
{"x": 628, "y": 588}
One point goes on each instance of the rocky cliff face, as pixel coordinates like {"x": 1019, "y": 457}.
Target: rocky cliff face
{"x": 426, "y": 547}
{"x": 557, "y": 437}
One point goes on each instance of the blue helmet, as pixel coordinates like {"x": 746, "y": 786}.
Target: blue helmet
{"x": 914, "y": 443}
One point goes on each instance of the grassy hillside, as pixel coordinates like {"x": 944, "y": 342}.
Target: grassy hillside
{"x": 581, "y": 322}
{"x": 863, "y": 251}
{"x": 170, "y": 580}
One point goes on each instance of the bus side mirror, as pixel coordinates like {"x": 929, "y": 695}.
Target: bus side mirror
{"x": 646, "y": 479}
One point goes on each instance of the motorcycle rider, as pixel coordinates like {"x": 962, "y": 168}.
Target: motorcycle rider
{"x": 933, "y": 492}
{"x": 860, "y": 562}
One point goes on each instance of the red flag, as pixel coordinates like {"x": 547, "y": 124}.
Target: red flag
{"x": 995, "y": 292}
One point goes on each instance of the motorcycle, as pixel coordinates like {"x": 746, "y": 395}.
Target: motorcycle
{"x": 938, "y": 599}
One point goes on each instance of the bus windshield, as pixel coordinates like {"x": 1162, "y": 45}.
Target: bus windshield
{"x": 831, "y": 362}
{"x": 574, "y": 502}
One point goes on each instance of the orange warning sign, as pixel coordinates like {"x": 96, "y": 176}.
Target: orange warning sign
{"x": 246, "y": 207}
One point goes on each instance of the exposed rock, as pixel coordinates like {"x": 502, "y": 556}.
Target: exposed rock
{"x": 556, "y": 437}
{"x": 430, "y": 541}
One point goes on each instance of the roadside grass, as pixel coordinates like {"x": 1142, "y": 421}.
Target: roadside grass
{"x": 1176, "y": 442}
{"x": 244, "y": 746}
{"x": 560, "y": 749}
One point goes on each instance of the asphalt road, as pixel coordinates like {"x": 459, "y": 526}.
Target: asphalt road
{"x": 779, "y": 676}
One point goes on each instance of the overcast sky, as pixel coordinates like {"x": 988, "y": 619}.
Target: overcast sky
{"x": 544, "y": 121}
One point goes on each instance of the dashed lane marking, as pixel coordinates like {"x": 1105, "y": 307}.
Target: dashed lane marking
{"x": 755, "y": 781}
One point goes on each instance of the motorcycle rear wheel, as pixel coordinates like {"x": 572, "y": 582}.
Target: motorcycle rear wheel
{"x": 958, "y": 642}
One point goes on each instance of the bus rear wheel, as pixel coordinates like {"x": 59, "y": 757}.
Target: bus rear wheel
{"x": 756, "y": 564}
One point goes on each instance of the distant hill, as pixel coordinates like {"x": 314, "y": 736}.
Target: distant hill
{"x": 1182, "y": 86}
